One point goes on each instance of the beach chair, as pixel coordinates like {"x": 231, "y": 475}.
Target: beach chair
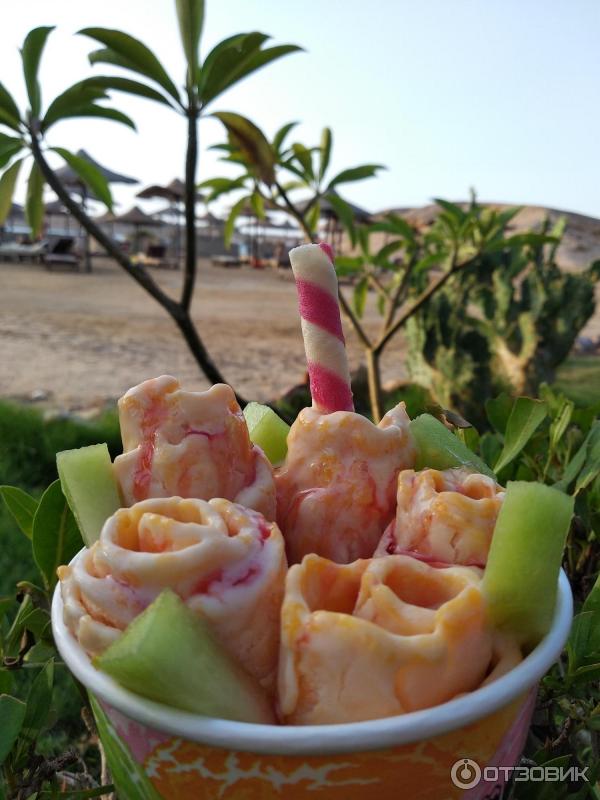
{"x": 60, "y": 253}
{"x": 155, "y": 256}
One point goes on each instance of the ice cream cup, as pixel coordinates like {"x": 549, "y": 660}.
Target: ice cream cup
{"x": 439, "y": 753}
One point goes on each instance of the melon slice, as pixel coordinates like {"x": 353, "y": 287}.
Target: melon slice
{"x": 521, "y": 576}
{"x": 439, "y": 448}
{"x": 169, "y": 655}
{"x": 268, "y": 431}
{"x": 89, "y": 485}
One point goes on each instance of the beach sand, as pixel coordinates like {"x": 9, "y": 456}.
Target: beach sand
{"x": 84, "y": 339}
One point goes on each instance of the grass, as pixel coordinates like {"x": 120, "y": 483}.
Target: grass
{"x": 579, "y": 379}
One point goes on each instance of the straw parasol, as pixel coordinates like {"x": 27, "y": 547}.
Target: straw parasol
{"x": 174, "y": 192}
{"x": 137, "y": 219}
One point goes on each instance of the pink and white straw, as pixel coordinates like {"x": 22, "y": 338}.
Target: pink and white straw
{"x": 324, "y": 344}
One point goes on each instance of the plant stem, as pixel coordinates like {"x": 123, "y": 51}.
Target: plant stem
{"x": 374, "y": 379}
{"x": 178, "y": 312}
{"x": 191, "y": 162}
{"x": 423, "y": 298}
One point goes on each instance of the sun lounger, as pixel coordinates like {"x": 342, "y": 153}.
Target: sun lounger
{"x": 155, "y": 256}
{"x": 13, "y": 251}
{"x": 60, "y": 253}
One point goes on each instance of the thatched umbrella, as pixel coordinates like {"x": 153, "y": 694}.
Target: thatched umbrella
{"x": 174, "y": 192}
{"x": 71, "y": 180}
{"x": 137, "y": 219}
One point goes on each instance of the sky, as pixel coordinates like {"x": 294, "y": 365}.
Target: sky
{"x": 499, "y": 95}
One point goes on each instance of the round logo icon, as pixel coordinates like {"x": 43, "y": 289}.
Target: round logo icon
{"x": 465, "y": 773}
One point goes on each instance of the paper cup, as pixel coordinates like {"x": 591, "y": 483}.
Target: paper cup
{"x": 435, "y": 754}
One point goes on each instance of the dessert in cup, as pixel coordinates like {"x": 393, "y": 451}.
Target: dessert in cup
{"x": 361, "y": 590}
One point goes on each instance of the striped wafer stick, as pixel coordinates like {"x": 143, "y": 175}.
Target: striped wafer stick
{"x": 324, "y": 345}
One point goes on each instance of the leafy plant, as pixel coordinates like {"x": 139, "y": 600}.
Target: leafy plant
{"x": 27, "y": 653}
{"x": 206, "y": 80}
{"x": 504, "y": 324}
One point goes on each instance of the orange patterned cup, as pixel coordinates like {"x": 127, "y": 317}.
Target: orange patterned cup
{"x": 440, "y": 753}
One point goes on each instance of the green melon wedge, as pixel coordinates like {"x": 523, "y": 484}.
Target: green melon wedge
{"x": 169, "y": 655}
{"x": 439, "y": 448}
{"x": 521, "y": 576}
{"x": 268, "y": 431}
{"x": 88, "y": 483}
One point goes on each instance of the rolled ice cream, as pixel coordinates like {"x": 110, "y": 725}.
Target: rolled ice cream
{"x": 225, "y": 561}
{"x": 190, "y": 444}
{"x": 336, "y": 491}
{"x": 446, "y": 517}
{"x": 381, "y": 637}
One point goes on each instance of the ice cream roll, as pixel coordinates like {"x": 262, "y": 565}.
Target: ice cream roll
{"x": 447, "y": 517}
{"x": 381, "y": 637}
{"x": 190, "y": 444}
{"x": 225, "y": 561}
{"x": 336, "y": 491}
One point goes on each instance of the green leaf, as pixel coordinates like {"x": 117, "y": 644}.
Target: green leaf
{"x": 129, "y": 777}
{"x": 9, "y": 147}
{"x": 394, "y": 225}
{"x": 190, "y": 15}
{"x": 591, "y": 466}
{"x": 304, "y": 157}
{"x": 498, "y": 411}
{"x": 525, "y": 418}
{"x": 561, "y": 422}
{"x": 258, "y": 204}
{"x": 22, "y": 507}
{"x": 128, "y": 52}
{"x": 76, "y": 96}
{"x": 592, "y": 601}
{"x": 56, "y": 537}
{"x": 220, "y": 186}
{"x": 252, "y": 143}
{"x": 359, "y": 297}
{"x": 585, "y": 462}
{"x": 13, "y": 637}
{"x": 355, "y": 174}
{"x": 111, "y": 82}
{"x": 312, "y": 218}
{"x": 281, "y": 136}
{"x": 102, "y": 112}
{"x": 234, "y": 59}
{"x": 348, "y": 265}
{"x": 6, "y": 684}
{"x": 223, "y": 60}
{"x": 452, "y": 209}
{"x": 90, "y": 175}
{"x": 233, "y": 215}
{"x": 388, "y": 250}
{"x": 9, "y": 112}
{"x": 12, "y": 714}
{"x": 326, "y": 142}
{"x": 344, "y": 214}
{"x": 39, "y": 701}
{"x": 7, "y": 189}
{"x": 34, "y": 202}
{"x": 31, "y": 55}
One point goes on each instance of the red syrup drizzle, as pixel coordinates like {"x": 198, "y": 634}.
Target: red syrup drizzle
{"x": 150, "y": 423}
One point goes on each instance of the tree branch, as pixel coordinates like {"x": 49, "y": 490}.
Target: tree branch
{"x": 433, "y": 287}
{"x": 178, "y": 312}
{"x": 138, "y": 273}
{"x": 191, "y": 162}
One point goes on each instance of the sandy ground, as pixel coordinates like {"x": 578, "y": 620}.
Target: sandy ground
{"x": 80, "y": 340}
{"x": 83, "y": 339}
